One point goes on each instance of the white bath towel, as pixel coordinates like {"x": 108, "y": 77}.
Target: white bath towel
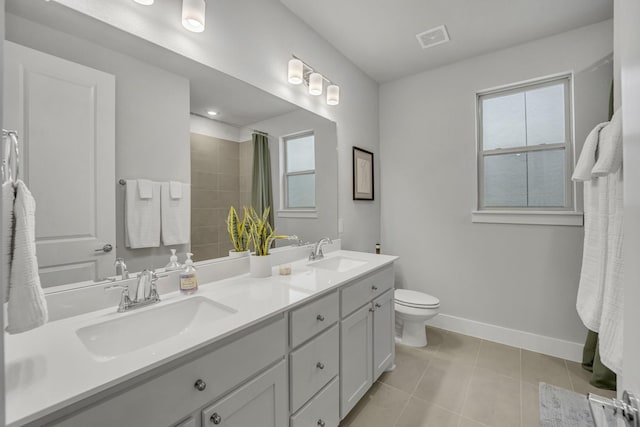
{"x": 611, "y": 323}
{"x": 142, "y": 217}
{"x": 8, "y": 198}
{"x": 27, "y": 308}
{"x": 176, "y": 215}
{"x": 609, "y": 147}
{"x": 145, "y": 189}
{"x": 587, "y": 159}
{"x": 175, "y": 189}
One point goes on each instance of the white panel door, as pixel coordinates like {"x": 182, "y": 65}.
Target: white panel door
{"x": 383, "y": 333}
{"x": 355, "y": 358}
{"x": 65, "y": 116}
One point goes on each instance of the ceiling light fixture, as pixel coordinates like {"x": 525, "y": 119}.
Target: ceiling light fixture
{"x": 193, "y": 15}
{"x": 144, "y": 2}
{"x": 299, "y": 72}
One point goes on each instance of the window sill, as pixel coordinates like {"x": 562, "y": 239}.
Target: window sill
{"x": 294, "y": 213}
{"x": 569, "y": 218}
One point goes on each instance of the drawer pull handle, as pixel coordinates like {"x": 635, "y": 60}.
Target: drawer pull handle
{"x": 200, "y": 385}
{"x": 374, "y": 288}
{"x": 371, "y": 309}
{"x": 320, "y": 317}
{"x": 320, "y": 365}
{"x": 215, "y": 418}
{"x": 321, "y": 423}
{"x": 378, "y": 305}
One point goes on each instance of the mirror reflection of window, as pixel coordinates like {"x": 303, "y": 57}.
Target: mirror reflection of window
{"x": 299, "y": 171}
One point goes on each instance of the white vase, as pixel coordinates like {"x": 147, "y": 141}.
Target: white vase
{"x": 234, "y": 254}
{"x": 260, "y": 266}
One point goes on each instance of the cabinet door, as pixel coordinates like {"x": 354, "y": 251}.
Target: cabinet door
{"x": 383, "y": 331}
{"x": 261, "y": 402}
{"x": 356, "y": 354}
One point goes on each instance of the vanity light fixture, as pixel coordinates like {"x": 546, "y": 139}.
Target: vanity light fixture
{"x": 193, "y": 15}
{"x": 299, "y": 72}
{"x": 144, "y": 2}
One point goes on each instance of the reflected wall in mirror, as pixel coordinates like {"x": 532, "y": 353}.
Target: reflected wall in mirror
{"x": 94, "y": 105}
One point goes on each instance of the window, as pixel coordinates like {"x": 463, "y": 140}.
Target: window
{"x": 299, "y": 177}
{"x": 524, "y": 147}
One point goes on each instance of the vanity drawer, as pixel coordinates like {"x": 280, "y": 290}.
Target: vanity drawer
{"x": 321, "y": 409}
{"x": 364, "y": 290}
{"x": 174, "y": 394}
{"x": 312, "y": 366}
{"x": 313, "y": 318}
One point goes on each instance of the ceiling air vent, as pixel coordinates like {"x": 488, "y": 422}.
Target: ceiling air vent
{"x": 433, "y": 37}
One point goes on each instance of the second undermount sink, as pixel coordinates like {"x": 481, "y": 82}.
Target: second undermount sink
{"x": 155, "y": 324}
{"x": 338, "y": 263}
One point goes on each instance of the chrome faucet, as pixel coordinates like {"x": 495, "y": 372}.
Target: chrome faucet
{"x": 121, "y": 268}
{"x": 146, "y": 292}
{"x": 316, "y": 253}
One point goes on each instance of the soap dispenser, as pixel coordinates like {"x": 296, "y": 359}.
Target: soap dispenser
{"x": 188, "y": 277}
{"x": 173, "y": 262}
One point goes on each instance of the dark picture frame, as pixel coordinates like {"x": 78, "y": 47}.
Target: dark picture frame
{"x": 363, "y": 182}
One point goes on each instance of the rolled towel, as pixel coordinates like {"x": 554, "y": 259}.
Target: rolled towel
{"x": 587, "y": 159}
{"x": 609, "y": 147}
{"x": 27, "y": 308}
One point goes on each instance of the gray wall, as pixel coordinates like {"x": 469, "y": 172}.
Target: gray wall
{"x": 523, "y": 277}
{"x": 152, "y": 120}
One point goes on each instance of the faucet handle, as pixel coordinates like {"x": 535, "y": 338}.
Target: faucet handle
{"x": 125, "y": 301}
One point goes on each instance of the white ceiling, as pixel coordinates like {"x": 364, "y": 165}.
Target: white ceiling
{"x": 238, "y": 103}
{"x": 379, "y": 35}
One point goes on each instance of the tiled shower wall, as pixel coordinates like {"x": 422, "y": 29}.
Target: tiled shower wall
{"x": 220, "y": 177}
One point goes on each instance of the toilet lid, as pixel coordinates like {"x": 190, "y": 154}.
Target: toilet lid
{"x": 416, "y": 299}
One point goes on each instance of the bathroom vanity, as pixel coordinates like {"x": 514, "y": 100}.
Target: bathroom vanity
{"x": 296, "y": 350}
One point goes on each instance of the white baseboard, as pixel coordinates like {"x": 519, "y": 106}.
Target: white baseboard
{"x": 526, "y": 340}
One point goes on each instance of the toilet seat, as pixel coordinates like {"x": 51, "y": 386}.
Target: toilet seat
{"x": 414, "y": 299}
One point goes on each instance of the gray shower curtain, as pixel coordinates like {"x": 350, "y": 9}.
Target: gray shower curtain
{"x": 261, "y": 188}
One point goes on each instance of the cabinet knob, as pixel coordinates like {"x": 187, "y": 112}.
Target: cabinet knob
{"x": 374, "y": 288}
{"x": 320, "y": 365}
{"x": 320, "y": 317}
{"x": 200, "y": 385}
{"x": 321, "y": 422}
{"x": 378, "y": 305}
{"x": 371, "y": 309}
{"x": 216, "y": 418}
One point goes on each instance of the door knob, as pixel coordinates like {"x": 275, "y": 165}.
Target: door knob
{"x": 106, "y": 248}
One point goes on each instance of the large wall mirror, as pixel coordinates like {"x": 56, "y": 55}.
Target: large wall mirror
{"x": 94, "y": 105}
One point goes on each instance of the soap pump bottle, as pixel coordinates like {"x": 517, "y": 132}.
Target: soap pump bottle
{"x": 173, "y": 262}
{"x": 188, "y": 277}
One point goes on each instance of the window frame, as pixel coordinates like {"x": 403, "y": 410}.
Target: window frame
{"x": 285, "y": 208}
{"x": 569, "y": 194}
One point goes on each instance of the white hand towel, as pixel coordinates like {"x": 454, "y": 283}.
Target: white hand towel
{"x": 609, "y": 147}
{"x": 591, "y": 287}
{"x": 611, "y": 323}
{"x": 175, "y": 188}
{"x": 142, "y": 217}
{"x": 8, "y": 198}
{"x": 587, "y": 159}
{"x": 145, "y": 189}
{"x": 176, "y": 215}
{"x": 27, "y": 308}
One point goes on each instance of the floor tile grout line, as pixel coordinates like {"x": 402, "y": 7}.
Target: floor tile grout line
{"x": 468, "y": 386}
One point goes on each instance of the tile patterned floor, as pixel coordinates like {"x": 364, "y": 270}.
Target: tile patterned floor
{"x": 462, "y": 381}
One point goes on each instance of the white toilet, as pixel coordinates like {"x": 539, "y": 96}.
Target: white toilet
{"x": 412, "y": 310}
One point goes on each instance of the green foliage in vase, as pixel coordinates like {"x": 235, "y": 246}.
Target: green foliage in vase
{"x": 239, "y": 231}
{"x": 262, "y": 234}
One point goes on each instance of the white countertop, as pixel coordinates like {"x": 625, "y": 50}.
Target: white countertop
{"x": 49, "y": 368}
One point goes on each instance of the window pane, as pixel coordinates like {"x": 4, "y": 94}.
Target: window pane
{"x": 503, "y": 122}
{"x": 301, "y": 191}
{"x": 505, "y": 180}
{"x": 301, "y": 154}
{"x": 546, "y": 178}
{"x": 545, "y": 115}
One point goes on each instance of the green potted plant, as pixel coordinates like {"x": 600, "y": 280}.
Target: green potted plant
{"x": 239, "y": 232}
{"x": 262, "y": 236}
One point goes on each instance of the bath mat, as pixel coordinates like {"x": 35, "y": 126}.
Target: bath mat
{"x": 563, "y": 408}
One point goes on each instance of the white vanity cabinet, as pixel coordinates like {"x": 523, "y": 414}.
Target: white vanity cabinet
{"x": 366, "y": 335}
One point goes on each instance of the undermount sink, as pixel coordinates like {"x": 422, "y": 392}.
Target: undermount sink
{"x": 338, "y": 263}
{"x": 155, "y": 324}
